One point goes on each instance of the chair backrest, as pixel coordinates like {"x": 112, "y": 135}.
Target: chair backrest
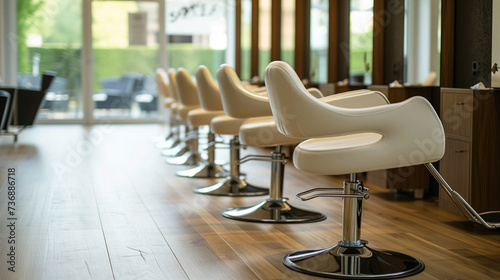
{"x": 298, "y": 114}
{"x": 187, "y": 89}
{"x": 161, "y": 82}
{"x": 239, "y": 102}
{"x": 58, "y": 85}
{"x": 208, "y": 90}
{"x": 9, "y": 114}
{"x": 131, "y": 84}
{"x": 4, "y": 103}
{"x": 149, "y": 85}
{"x": 47, "y": 79}
{"x": 172, "y": 84}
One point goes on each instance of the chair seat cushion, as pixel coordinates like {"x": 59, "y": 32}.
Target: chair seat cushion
{"x": 182, "y": 111}
{"x": 168, "y": 101}
{"x": 262, "y": 132}
{"x": 354, "y": 153}
{"x": 199, "y": 117}
{"x": 225, "y": 125}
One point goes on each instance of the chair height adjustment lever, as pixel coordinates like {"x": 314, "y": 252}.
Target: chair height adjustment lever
{"x": 328, "y": 192}
{"x": 212, "y": 145}
{"x": 359, "y": 187}
{"x": 261, "y": 158}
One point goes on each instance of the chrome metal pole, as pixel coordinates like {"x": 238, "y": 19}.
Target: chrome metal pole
{"x": 234, "y": 154}
{"x": 351, "y": 213}
{"x": 211, "y": 152}
{"x": 194, "y": 140}
{"x": 277, "y": 174}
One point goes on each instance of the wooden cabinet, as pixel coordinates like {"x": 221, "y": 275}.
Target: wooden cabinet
{"x": 329, "y": 89}
{"x": 456, "y": 174}
{"x": 471, "y": 163}
{"x": 413, "y": 178}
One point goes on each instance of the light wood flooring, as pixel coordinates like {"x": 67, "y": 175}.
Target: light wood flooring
{"x": 100, "y": 203}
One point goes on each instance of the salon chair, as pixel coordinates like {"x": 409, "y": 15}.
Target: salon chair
{"x": 168, "y": 101}
{"x": 188, "y": 99}
{"x": 260, "y": 131}
{"x": 235, "y": 183}
{"x": 174, "y": 146}
{"x": 211, "y": 107}
{"x": 349, "y": 141}
{"x": 4, "y": 103}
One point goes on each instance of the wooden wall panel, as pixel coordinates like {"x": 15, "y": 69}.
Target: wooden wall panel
{"x": 344, "y": 8}
{"x": 237, "y": 37}
{"x": 378, "y": 43}
{"x": 388, "y": 41}
{"x": 276, "y": 30}
{"x": 255, "y": 39}
{"x": 302, "y": 38}
{"x": 447, "y": 42}
{"x": 472, "y": 36}
{"x": 333, "y": 41}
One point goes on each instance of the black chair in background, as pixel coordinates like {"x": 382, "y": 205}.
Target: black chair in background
{"x": 57, "y": 96}
{"x": 7, "y": 114}
{"x": 29, "y": 101}
{"x": 24, "y": 104}
{"x": 118, "y": 93}
{"x": 4, "y": 102}
{"x": 147, "y": 96}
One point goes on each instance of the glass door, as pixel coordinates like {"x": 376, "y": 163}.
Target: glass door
{"x": 125, "y": 53}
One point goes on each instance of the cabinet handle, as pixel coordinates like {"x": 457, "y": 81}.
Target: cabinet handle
{"x": 460, "y": 103}
{"x": 460, "y": 151}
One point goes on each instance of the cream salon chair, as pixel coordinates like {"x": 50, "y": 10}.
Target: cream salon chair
{"x": 170, "y": 102}
{"x": 235, "y": 183}
{"x": 176, "y": 146}
{"x": 260, "y": 131}
{"x": 188, "y": 97}
{"x": 349, "y": 141}
{"x": 211, "y": 107}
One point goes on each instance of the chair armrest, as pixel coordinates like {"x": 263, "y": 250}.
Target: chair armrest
{"x": 356, "y": 99}
{"x": 315, "y": 92}
{"x": 407, "y": 121}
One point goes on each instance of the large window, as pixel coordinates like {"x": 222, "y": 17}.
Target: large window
{"x": 196, "y": 34}
{"x": 49, "y": 38}
{"x": 319, "y": 41}
{"x": 264, "y": 36}
{"x": 246, "y": 39}
{"x": 288, "y": 31}
{"x": 422, "y": 42}
{"x": 125, "y": 52}
{"x": 361, "y": 41}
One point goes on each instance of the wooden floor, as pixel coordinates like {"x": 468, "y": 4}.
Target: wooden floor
{"x": 100, "y": 203}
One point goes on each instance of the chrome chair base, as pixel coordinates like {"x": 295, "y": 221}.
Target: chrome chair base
{"x": 188, "y": 158}
{"x": 232, "y": 187}
{"x": 353, "y": 263}
{"x": 492, "y": 217}
{"x": 168, "y": 144}
{"x": 205, "y": 170}
{"x": 273, "y": 211}
{"x": 177, "y": 151}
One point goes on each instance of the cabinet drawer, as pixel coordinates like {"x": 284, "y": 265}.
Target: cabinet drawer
{"x": 455, "y": 169}
{"x": 456, "y": 112}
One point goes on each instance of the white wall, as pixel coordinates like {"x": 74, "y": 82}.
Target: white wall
{"x": 495, "y": 43}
